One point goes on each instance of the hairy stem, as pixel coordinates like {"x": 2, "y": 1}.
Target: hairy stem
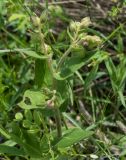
{"x": 58, "y": 122}
{"x": 49, "y": 62}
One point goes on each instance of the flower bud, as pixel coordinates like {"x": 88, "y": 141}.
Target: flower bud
{"x": 18, "y": 116}
{"x": 58, "y": 10}
{"x": 36, "y": 21}
{"x": 85, "y": 22}
{"x": 55, "y": 9}
{"x": 92, "y": 41}
{"x": 74, "y": 25}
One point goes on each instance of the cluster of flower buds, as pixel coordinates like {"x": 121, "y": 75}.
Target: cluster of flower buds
{"x": 55, "y": 9}
{"x": 85, "y": 22}
{"x": 91, "y": 41}
{"x": 36, "y": 21}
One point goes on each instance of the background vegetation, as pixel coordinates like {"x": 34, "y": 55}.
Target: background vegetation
{"x": 62, "y": 80}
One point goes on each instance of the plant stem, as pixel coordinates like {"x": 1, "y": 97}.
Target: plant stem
{"x": 63, "y": 57}
{"x": 58, "y": 122}
{"x": 68, "y": 50}
{"x": 49, "y": 62}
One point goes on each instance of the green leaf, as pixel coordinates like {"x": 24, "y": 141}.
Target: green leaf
{"x": 120, "y": 45}
{"x": 44, "y": 143}
{"x": 11, "y": 150}
{"x": 73, "y": 136}
{"x": 32, "y": 144}
{"x": 27, "y": 123}
{"x": 33, "y": 99}
{"x": 112, "y": 73}
{"x": 9, "y": 143}
{"x": 73, "y": 64}
{"x": 4, "y": 133}
{"x": 62, "y": 89}
{"x": 70, "y": 67}
{"x": 90, "y": 77}
{"x": 34, "y": 54}
{"x": 37, "y": 117}
{"x": 40, "y": 67}
{"x": 122, "y": 99}
{"x": 28, "y": 115}
{"x": 28, "y": 142}
{"x": 25, "y": 51}
{"x": 4, "y": 51}
{"x": 111, "y": 68}
{"x": 16, "y": 16}
{"x": 73, "y": 121}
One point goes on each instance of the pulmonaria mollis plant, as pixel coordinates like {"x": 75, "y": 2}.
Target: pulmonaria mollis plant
{"x": 32, "y": 134}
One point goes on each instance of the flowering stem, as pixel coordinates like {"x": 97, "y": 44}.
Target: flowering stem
{"x": 49, "y": 62}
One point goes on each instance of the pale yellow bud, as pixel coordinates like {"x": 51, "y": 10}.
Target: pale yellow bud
{"x": 85, "y": 22}
{"x": 51, "y": 8}
{"x": 36, "y": 21}
{"x": 92, "y": 41}
{"x": 58, "y": 10}
{"x": 74, "y": 25}
{"x": 55, "y": 9}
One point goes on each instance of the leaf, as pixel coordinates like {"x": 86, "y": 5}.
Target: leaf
{"x": 120, "y": 45}
{"x": 2, "y": 7}
{"x": 33, "y": 99}
{"x": 48, "y": 78}
{"x": 32, "y": 141}
{"x": 73, "y": 64}
{"x": 40, "y": 67}
{"x": 16, "y": 16}
{"x": 112, "y": 73}
{"x": 70, "y": 67}
{"x": 27, "y": 143}
{"x": 4, "y": 149}
{"x": 73, "y": 136}
{"x": 122, "y": 99}
{"x": 9, "y": 143}
{"x": 111, "y": 68}
{"x": 4, "y": 133}
{"x": 67, "y": 116}
{"x": 37, "y": 117}
{"x": 34, "y": 54}
{"x": 28, "y": 115}
{"x": 62, "y": 89}
{"x": 90, "y": 77}
{"x": 27, "y": 123}
{"x": 44, "y": 143}
{"x": 4, "y": 51}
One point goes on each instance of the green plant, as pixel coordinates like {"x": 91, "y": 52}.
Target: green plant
{"x": 55, "y": 89}
{"x": 51, "y": 94}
